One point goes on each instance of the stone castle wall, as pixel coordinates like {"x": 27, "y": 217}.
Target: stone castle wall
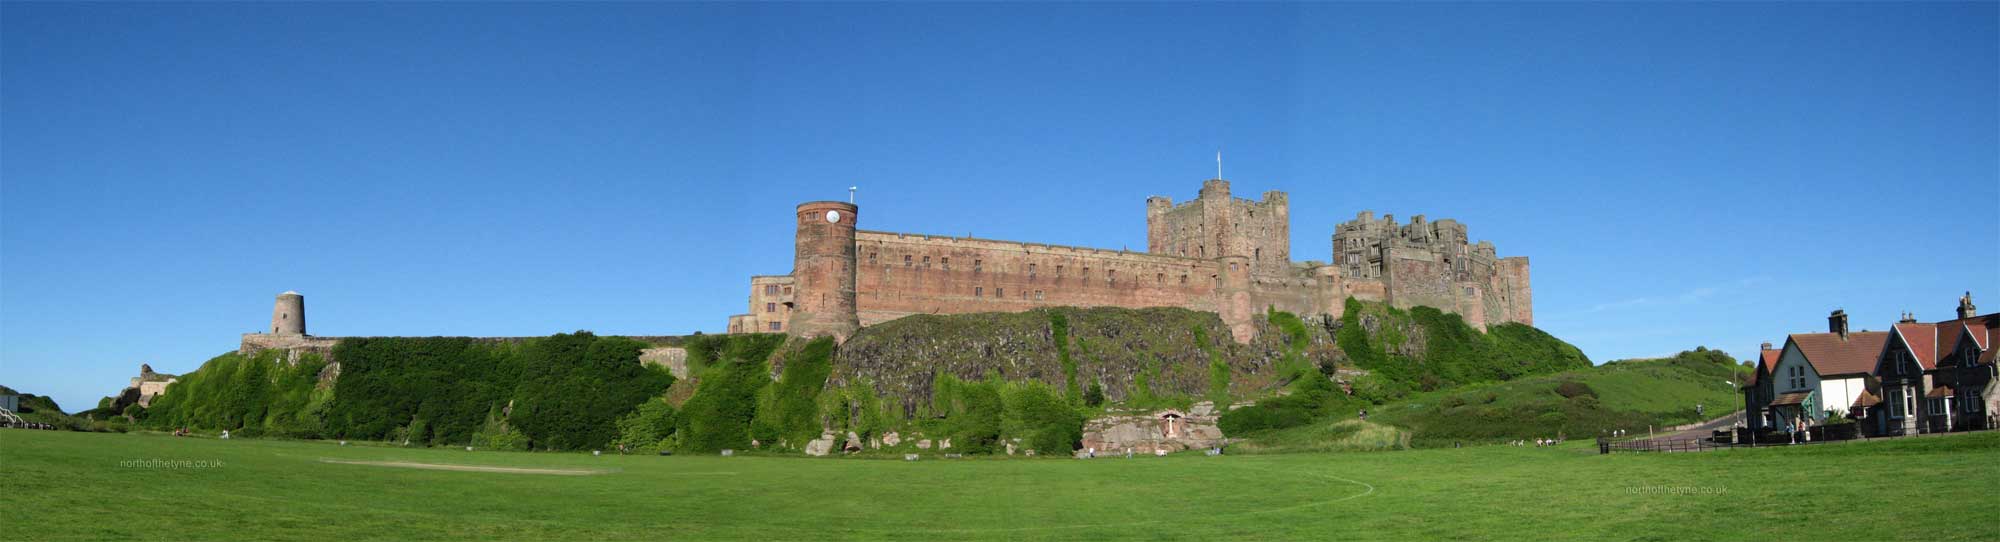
{"x": 904, "y": 274}
{"x": 1216, "y": 253}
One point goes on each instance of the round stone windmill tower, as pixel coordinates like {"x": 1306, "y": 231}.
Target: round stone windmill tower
{"x": 823, "y": 270}
{"x": 288, "y": 316}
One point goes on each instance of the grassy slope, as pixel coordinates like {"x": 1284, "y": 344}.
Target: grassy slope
{"x": 1629, "y": 395}
{"x": 60, "y": 485}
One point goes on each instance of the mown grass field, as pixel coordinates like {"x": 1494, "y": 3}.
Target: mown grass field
{"x": 62, "y": 486}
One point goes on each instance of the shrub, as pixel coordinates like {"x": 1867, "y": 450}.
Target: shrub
{"x": 1043, "y": 421}
{"x": 1452, "y": 401}
{"x": 1094, "y": 397}
{"x": 647, "y": 428}
{"x": 1572, "y": 389}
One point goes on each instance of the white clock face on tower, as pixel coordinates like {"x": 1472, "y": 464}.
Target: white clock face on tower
{"x": 833, "y": 216}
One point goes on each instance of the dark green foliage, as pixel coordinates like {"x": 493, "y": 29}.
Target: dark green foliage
{"x": 1059, "y": 332}
{"x": 451, "y": 383}
{"x": 974, "y": 414}
{"x": 1311, "y": 397}
{"x": 1218, "y": 369}
{"x": 1573, "y": 389}
{"x": 1094, "y": 397}
{"x": 1296, "y": 338}
{"x": 574, "y": 388}
{"x": 647, "y": 428}
{"x": 1452, "y": 353}
{"x": 793, "y": 411}
{"x": 719, "y": 415}
{"x": 567, "y": 391}
{"x": 253, "y": 395}
{"x": 1043, "y": 421}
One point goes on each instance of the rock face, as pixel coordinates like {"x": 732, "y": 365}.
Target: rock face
{"x": 1157, "y": 431}
{"x": 673, "y": 357}
{"x": 820, "y": 446}
{"x": 1108, "y": 345}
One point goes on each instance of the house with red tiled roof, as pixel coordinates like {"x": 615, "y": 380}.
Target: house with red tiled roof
{"x": 1813, "y": 375}
{"x": 1903, "y": 374}
{"x": 1914, "y": 378}
{"x": 1760, "y": 389}
{"x": 1937, "y": 377}
{"x": 1962, "y": 398}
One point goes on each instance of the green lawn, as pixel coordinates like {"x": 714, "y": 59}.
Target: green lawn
{"x": 62, "y": 485}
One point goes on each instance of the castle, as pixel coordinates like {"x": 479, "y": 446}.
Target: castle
{"x": 1217, "y": 253}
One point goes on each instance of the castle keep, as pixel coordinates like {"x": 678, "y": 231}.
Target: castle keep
{"x": 1217, "y": 253}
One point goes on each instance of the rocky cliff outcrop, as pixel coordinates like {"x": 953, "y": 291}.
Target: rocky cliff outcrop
{"x": 1168, "y": 348}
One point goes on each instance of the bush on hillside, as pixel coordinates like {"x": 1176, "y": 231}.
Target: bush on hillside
{"x": 1571, "y": 389}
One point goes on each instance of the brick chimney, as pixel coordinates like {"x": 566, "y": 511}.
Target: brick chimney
{"x": 1837, "y": 322}
{"x": 1965, "y": 308}
{"x": 1766, "y": 346}
{"x": 1908, "y": 318}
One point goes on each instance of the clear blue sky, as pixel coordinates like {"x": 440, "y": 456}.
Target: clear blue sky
{"x": 1680, "y": 175}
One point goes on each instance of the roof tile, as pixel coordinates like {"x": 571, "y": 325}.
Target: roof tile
{"x": 1832, "y": 355}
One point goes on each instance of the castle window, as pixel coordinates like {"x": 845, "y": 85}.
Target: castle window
{"x": 1059, "y": 271}
{"x": 1161, "y": 277}
{"x": 770, "y": 289}
{"x": 1201, "y": 250}
{"x": 1183, "y": 279}
{"x": 1038, "y": 295}
{"x": 945, "y": 263}
{"x": 927, "y": 262}
{"x": 1031, "y": 270}
{"x": 775, "y": 326}
{"x": 1468, "y": 290}
{"x": 1257, "y": 253}
{"x": 1000, "y": 292}
{"x": 906, "y": 260}
{"x": 871, "y": 258}
{"x": 788, "y": 290}
{"x": 978, "y": 291}
{"x": 978, "y": 265}
{"x": 1111, "y": 277}
{"x": 770, "y": 307}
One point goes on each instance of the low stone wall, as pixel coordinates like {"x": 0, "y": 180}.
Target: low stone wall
{"x": 1156, "y": 431}
{"x": 293, "y": 345}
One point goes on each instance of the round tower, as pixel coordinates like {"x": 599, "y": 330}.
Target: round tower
{"x": 288, "y": 316}
{"x": 823, "y": 270}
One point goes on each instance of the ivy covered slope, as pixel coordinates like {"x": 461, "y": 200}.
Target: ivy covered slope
{"x": 562, "y": 392}
{"x": 1583, "y": 403}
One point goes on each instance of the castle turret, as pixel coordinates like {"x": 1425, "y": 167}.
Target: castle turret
{"x": 823, "y": 269}
{"x": 288, "y": 316}
{"x": 1158, "y": 234}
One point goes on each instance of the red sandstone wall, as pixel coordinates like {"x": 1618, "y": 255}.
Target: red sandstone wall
{"x": 983, "y": 275}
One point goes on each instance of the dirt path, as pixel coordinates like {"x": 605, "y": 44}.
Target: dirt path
{"x": 467, "y": 468}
